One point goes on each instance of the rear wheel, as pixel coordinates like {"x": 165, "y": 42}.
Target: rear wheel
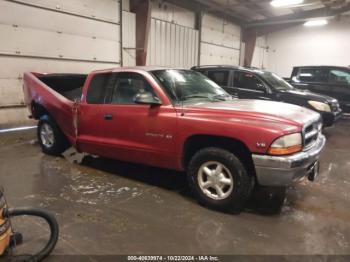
{"x": 50, "y": 137}
{"x": 219, "y": 180}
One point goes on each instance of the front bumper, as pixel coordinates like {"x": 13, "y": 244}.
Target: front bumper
{"x": 330, "y": 118}
{"x": 284, "y": 170}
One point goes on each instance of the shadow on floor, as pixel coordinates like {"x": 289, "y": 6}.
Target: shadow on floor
{"x": 263, "y": 201}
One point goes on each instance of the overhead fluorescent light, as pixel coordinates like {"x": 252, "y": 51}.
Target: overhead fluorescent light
{"x": 284, "y": 3}
{"x": 318, "y": 22}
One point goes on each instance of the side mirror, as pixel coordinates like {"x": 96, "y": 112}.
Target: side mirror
{"x": 147, "y": 98}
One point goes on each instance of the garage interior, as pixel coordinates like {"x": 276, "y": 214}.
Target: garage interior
{"x": 107, "y": 207}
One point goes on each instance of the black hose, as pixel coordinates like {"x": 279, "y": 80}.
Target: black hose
{"x": 49, "y": 218}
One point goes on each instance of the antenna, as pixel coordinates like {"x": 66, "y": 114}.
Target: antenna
{"x": 180, "y": 91}
{"x": 182, "y": 101}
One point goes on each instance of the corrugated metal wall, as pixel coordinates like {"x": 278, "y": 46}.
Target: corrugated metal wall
{"x": 173, "y": 39}
{"x": 220, "y": 41}
{"x": 54, "y": 36}
{"x": 172, "y": 45}
{"x": 260, "y": 56}
{"x": 84, "y": 35}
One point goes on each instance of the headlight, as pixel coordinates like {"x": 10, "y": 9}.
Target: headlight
{"x": 320, "y": 106}
{"x": 286, "y": 145}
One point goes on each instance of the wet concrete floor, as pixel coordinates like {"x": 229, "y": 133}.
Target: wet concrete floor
{"x": 106, "y": 207}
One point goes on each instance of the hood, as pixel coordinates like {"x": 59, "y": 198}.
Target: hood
{"x": 306, "y": 95}
{"x": 269, "y": 110}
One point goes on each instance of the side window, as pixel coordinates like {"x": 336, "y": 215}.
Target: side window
{"x": 97, "y": 89}
{"x": 219, "y": 77}
{"x": 339, "y": 76}
{"x": 312, "y": 75}
{"x": 202, "y": 71}
{"x": 127, "y": 86}
{"x": 248, "y": 81}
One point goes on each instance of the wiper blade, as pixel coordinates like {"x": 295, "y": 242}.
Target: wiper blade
{"x": 195, "y": 96}
{"x": 221, "y": 97}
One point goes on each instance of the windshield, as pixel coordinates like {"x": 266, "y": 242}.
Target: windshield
{"x": 187, "y": 85}
{"x": 275, "y": 81}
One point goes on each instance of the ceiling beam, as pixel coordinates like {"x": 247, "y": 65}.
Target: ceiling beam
{"x": 210, "y": 7}
{"x": 254, "y": 7}
{"x": 142, "y": 9}
{"x": 250, "y": 37}
{"x": 300, "y": 16}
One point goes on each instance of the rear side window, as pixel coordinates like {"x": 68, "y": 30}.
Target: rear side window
{"x": 312, "y": 75}
{"x": 219, "y": 77}
{"x": 339, "y": 76}
{"x": 97, "y": 89}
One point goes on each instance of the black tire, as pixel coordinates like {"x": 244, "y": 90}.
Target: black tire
{"x": 242, "y": 180}
{"x": 49, "y": 219}
{"x": 60, "y": 142}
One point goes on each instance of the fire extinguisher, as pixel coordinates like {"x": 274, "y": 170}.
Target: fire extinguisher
{"x": 9, "y": 239}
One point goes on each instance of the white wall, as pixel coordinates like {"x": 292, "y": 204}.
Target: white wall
{"x": 174, "y": 38}
{"x": 164, "y": 11}
{"x": 220, "y": 41}
{"x": 297, "y": 46}
{"x": 83, "y": 35}
{"x": 53, "y": 36}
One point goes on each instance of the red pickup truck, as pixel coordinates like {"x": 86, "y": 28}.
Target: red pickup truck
{"x": 178, "y": 119}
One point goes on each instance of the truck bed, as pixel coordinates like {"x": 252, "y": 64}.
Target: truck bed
{"x": 56, "y": 94}
{"x": 68, "y": 85}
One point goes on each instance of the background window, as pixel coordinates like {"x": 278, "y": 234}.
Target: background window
{"x": 219, "y": 77}
{"x": 127, "y": 86}
{"x": 247, "y": 81}
{"x": 339, "y": 76}
{"x": 312, "y": 75}
{"x": 97, "y": 89}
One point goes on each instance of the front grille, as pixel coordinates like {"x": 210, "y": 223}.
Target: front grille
{"x": 311, "y": 133}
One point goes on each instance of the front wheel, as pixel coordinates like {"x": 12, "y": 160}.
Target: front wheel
{"x": 50, "y": 137}
{"x": 219, "y": 180}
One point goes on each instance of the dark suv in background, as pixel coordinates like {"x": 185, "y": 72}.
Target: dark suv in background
{"x": 250, "y": 83}
{"x": 333, "y": 81}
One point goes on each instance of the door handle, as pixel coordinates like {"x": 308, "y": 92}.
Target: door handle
{"x": 108, "y": 117}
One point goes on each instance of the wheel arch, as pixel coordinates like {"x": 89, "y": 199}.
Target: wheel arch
{"x": 38, "y": 110}
{"x": 196, "y": 142}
